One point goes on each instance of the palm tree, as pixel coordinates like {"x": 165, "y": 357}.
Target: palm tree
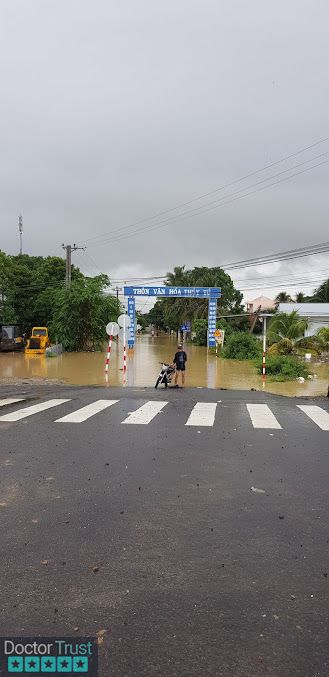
{"x": 300, "y": 297}
{"x": 321, "y": 294}
{"x": 287, "y": 326}
{"x": 178, "y": 278}
{"x": 282, "y": 297}
{"x": 323, "y": 335}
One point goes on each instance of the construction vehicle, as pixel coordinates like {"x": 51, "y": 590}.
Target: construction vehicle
{"x": 11, "y": 338}
{"x": 38, "y": 341}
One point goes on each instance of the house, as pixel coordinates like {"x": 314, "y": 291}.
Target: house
{"x": 260, "y": 303}
{"x": 316, "y": 313}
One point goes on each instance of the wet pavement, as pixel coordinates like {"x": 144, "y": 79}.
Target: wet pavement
{"x": 203, "y": 369}
{"x": 191, "y": 549}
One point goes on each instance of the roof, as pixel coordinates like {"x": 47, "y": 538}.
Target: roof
{"x": 262, "y": 301}
{"x": 306, "y": 309}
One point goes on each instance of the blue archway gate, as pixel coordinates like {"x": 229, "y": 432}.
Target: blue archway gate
{"x": 210, "y": 293}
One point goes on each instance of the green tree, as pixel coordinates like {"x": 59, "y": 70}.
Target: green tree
{"x": 323, "y": 336}
{"x": 321, "y": 294}
{"x": 7, "y": 278}
{"x": 282, "y": 297}
{"x": 177, "y": 310}
{"x": 28, "y": 285}
{"x": 82, "y": 312}
{"x": 287, "y": 325}
{"x": 142, "y": 319}
{"x": 300, "y": 297}
{"x": 155, "y": 315}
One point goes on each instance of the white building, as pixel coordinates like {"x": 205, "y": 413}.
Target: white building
{"x": 316, "y": 313}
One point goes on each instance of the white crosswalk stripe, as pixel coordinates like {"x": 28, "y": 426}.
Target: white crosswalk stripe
{"x": 86, "y": 412}
{"x": 202, "y": 414}
{"x": 34, "y": 409}
{"x": 262, "y": 416}
{"x": 10, "y": 400}
{"x": 145, "y": 413}
{"x": 316, "y": 414}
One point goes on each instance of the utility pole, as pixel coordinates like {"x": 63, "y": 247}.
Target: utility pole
{"x": 68, "y": 248}
{"x": 20, "y": 228}
{"x": 118, "y": 307}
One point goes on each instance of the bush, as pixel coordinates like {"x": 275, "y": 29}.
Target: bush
{"x": 283, "y": 347}
{"x": 309, "y": 344}
{"x": 241, "y": 346}
{"x": 284, "y": 368}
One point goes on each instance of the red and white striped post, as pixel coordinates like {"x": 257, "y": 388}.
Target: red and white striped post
{"x": 264, "y": 349}
{"x": 108, "y": 355}
{"x": 124, "y": 352}
{"x": 124, "y": 359}
{"x": 112, "y": 329}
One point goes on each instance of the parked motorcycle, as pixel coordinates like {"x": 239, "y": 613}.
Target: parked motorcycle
{"x": 165, "y": 375}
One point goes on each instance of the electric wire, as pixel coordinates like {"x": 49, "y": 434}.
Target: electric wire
{"x": 212, "y": 192}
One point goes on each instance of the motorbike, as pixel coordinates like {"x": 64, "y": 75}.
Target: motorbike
{"x": 165, "y": 375}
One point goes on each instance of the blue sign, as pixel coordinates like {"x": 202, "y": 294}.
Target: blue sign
{"x": 181, "y": 292}
{"x": 212, "y": 312}
{"x": 184, "y": 327}
{"x": 131, "y": 313}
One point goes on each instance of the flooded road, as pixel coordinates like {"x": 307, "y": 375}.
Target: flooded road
{"x": 143, "y": 366}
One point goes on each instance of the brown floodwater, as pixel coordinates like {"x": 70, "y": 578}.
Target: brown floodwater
{"x": 143, "y": 365}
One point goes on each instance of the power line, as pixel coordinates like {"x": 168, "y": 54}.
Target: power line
{"x": 310, "y": 250}
{"x": 205, "y": 209}
{"x": 236, "y": 281}
{"x": 216, "y": 190}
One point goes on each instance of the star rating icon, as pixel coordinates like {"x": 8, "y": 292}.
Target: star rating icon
{"x": 80, "y": 664}
{"x": 15, "y": 664}
{"x": 32, "y": 664}
{"x": 64, "y": 664}
{"x": 48, "y": 664}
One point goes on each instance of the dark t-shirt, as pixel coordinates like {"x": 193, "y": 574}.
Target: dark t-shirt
{"x": 180, "y": 358}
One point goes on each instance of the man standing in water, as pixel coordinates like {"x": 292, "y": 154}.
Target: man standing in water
{"x": 180, "y": 360}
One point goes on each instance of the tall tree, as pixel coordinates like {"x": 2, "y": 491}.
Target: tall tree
{"x": 282, "y": 297}
{"x": 300, "y": 297}
{"x": 82, "y": 312}
{"x": 178, "y": 310}
{"x": 321, "y": 294}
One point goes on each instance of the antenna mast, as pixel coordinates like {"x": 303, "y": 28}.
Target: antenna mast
{"x": 20, "y": 228}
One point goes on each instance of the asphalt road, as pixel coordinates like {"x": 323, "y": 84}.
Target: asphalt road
{"x": 151, "y": 536}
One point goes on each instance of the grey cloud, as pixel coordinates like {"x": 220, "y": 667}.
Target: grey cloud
{"x": 111, "y": 112}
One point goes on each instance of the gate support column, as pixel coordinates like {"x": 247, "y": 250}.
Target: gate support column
{"x": 131, "y": 313}
{"x": 212, "y": 312}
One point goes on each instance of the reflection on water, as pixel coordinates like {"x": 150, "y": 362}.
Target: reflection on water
{"x": 143, "y": 365}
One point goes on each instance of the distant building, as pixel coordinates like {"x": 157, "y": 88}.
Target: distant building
{"x": 260, "y": 303}
{"x": 316, "y": 313}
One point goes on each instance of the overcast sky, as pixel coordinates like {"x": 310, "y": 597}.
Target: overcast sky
{"x": 113, "y": 111}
